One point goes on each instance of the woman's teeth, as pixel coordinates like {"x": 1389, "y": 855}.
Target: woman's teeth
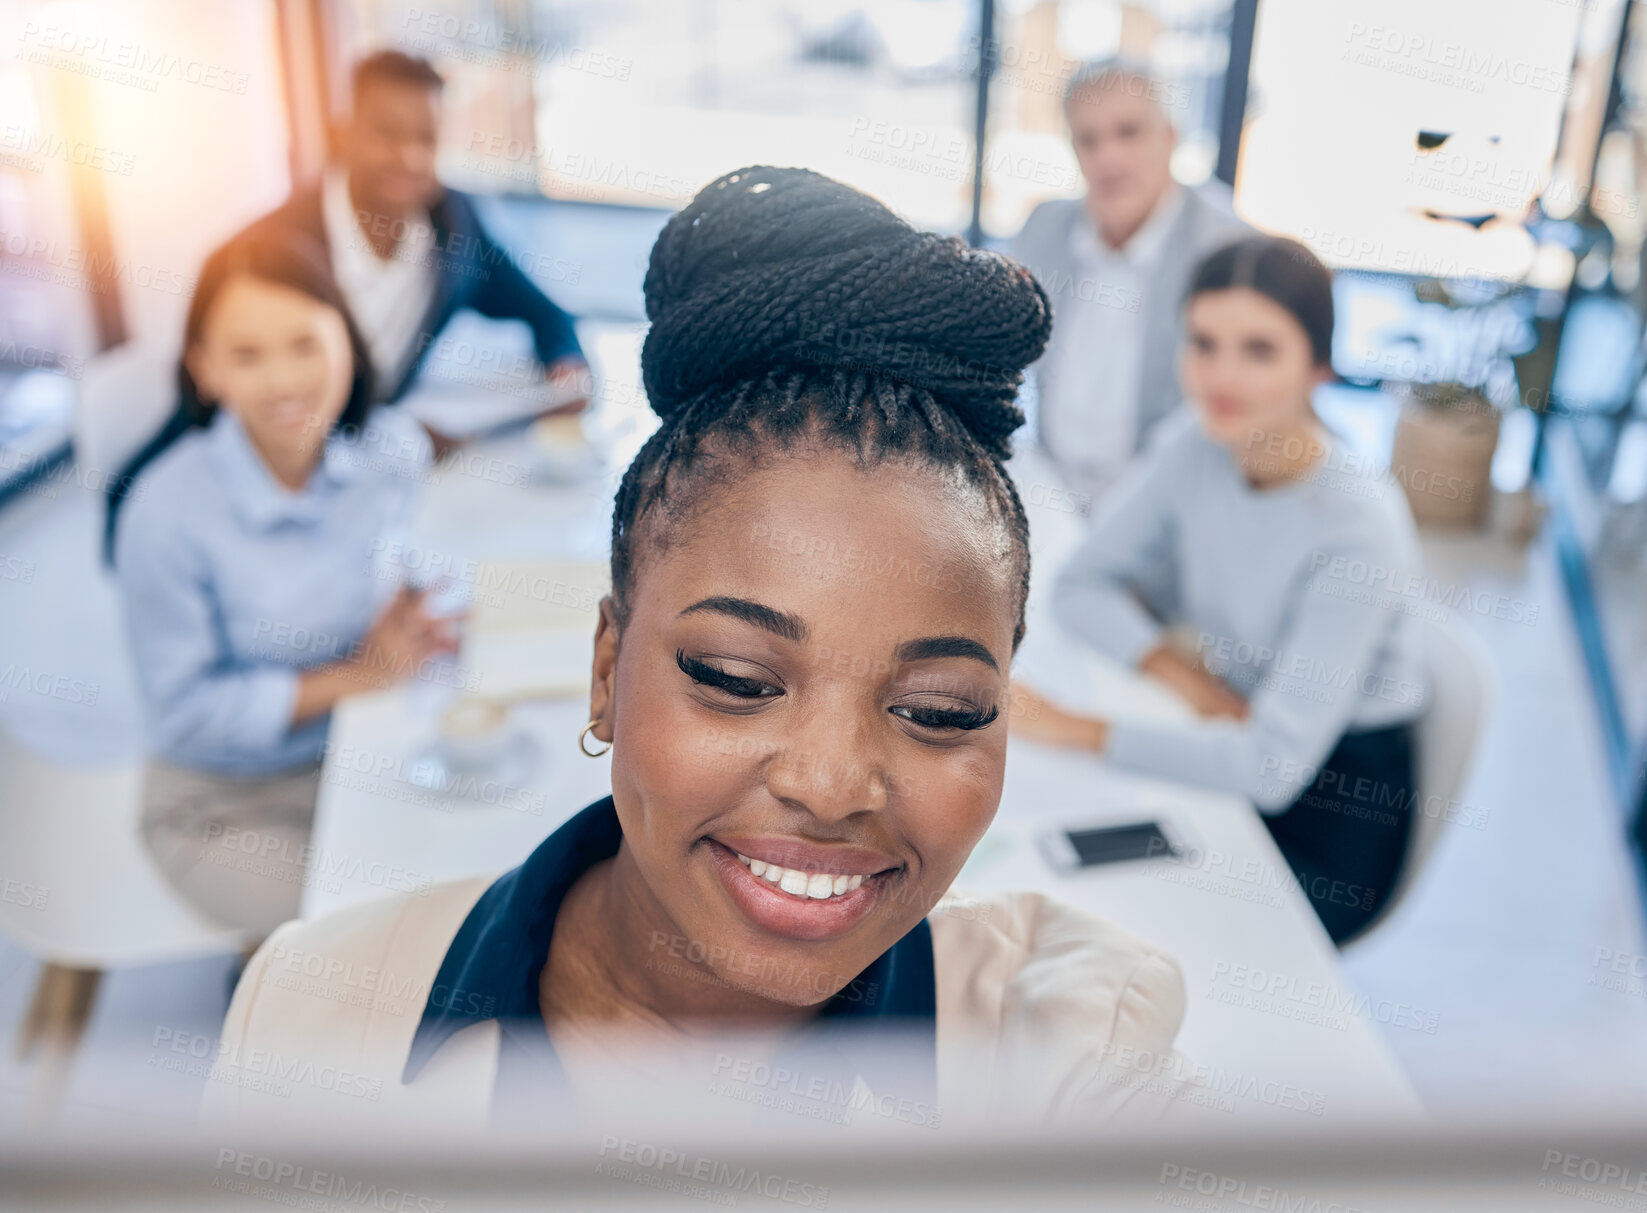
{"x": 801, "y": 884}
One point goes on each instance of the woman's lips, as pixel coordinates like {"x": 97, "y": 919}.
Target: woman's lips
{"x": 809, "y": 912}
{"x": 290, "y": 415}
{"x": 808, "y": 857}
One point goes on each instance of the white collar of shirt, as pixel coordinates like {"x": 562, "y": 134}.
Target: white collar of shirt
{"x": 388, "y": 297}
{"x": 1089, "y": 409}
{"x": 254, "y": 493}
{"x": 350, "y": 246}
{"x": 1147, "y": 242}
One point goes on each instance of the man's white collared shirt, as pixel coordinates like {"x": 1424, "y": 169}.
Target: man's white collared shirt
{"x": 1089, "y": 418}
{"x": 388, "y": 297}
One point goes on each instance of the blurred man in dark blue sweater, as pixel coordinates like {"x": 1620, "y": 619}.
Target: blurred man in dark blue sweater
{"x": 408, "y": 252}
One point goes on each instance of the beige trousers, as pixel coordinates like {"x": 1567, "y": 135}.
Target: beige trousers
{"x": 236, "y": 848}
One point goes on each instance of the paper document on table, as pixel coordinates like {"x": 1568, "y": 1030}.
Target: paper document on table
{"x": 531, "y": 665}
{"x": 531, "y": 627}
{"x": 538, "y": 596}
{"x": 480, "y": 374}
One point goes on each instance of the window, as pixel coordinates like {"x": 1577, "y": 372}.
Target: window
{"x": 1040, "y": 44}
{"x": 641, "y": 102}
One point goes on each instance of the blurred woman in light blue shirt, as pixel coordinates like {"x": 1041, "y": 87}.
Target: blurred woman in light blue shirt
{"x": 253, "y": 600}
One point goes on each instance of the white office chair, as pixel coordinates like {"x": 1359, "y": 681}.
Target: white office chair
{"x": 1444, "y": 741}
{"x": 79, "y": 893}
{"x": 126, "y": 394}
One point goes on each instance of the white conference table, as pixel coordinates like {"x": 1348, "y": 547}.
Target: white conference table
{"x": 1271, "y": 1024}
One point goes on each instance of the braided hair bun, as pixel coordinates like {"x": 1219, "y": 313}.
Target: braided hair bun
{"x": 770, "y": 269}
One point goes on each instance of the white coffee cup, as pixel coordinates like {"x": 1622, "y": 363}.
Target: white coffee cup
{"x": 474, "y": 731}
{"x": 561, "y": 449}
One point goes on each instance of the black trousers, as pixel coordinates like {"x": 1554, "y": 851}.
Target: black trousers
{"x": 1345, "y": 838}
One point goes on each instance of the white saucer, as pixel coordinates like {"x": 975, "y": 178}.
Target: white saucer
{"x": 569, "y": 465}
{"x": 514, "y": 773}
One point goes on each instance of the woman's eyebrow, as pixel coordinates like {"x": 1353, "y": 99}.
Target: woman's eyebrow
{"x": 778, "y": 622}
{"x": 945, "y": 646}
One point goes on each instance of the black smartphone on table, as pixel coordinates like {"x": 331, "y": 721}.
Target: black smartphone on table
{"x": 1074, "y": 847}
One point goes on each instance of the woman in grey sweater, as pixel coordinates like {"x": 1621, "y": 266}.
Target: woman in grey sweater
{"x": 1281, "y": 566}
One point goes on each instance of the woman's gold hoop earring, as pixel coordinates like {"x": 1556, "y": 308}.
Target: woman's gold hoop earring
{"x": 586, "y": 751}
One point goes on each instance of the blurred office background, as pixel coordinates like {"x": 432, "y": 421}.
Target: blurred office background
{"x": 1474, "y": 176}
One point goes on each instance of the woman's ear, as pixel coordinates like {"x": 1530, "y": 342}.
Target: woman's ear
{"x": 1324, "y": 374}
{"x": 603, "y": 673}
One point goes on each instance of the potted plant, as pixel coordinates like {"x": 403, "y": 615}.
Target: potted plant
{"x": 1443, "y": 454}
{"x": 1448, "y": 429}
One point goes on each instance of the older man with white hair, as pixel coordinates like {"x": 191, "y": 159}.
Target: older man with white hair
{"x": 1115, "y": 264}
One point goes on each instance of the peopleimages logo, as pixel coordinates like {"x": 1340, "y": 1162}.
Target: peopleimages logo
{"x": 741, "y": 1077}
{"x": 486, "y": 41}
{"x": 14, "y": 136}
{"x": 1594, "y": 1172}
{"x": 54, "y": 686}
{"x": 1354, "y": 794}
{"x": 1403, "y": 584}
{"x": 826, "y": 554}
{"x": 1252, "y": 1195}
{"x": 1457, "y": 64}
{"x": 1248, "y": 665}
{"x": 1332, "y": 1001}
{"x": 337, "y": 980}
{"x": 96, "y": 55}
{"x": 707, "y": 957}
{"x": 292, "y": 1179}
{"x": 1169, "y": 1073}
{"x": 22, "y": 894}
{"x": 315, "y": 860}
{"x": 663, "y": 1161}
{"x": 270, "y": 1070}
{"x": 79, "y": 267}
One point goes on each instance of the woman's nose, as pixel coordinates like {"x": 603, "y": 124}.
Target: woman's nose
{"x": 830, "y": 770}
{"x": 283, "y": 377}
{"x": 1218, "y": 375}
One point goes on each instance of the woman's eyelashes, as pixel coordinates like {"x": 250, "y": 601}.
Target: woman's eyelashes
{"x": 736, "y": 685}
{"x": 751, "y": 690}
{"x": 946, "y": 718}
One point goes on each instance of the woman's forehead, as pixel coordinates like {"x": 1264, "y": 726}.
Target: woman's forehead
{"x": 893, "y": 544}
{"x": 246, "y": 302}
{"x": 814, "y": 505}
{"x": 1241, "y": 307}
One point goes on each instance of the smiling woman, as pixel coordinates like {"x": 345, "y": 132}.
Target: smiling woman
{"x": 242, "y": 536}
{"x": 819, "y": 573}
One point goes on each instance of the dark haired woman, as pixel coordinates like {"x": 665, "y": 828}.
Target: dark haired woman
{"x": 244, "y": 555}
{"x": 1247, "y": 526}
{"x": 819, "y": 570}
